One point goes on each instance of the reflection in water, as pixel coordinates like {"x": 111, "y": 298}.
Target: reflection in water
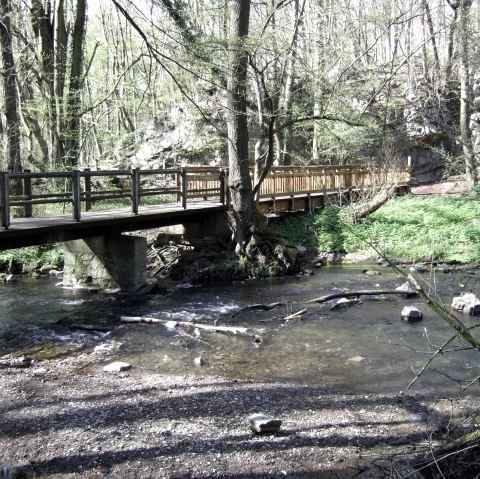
{"x": 363, "y": 348}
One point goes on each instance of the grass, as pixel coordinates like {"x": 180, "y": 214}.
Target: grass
{"x": 419, "y": 228}
{"x": 409, "y": 228}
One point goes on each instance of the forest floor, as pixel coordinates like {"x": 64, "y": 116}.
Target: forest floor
{"x": 454, "y": 185}
{"x": 67, "y": 418}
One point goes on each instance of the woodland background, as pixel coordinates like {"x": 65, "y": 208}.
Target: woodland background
{"x": 118, "y": 83}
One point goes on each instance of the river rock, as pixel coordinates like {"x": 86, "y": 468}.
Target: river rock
{"x": 260, "y": 423}
{"x": 371, "y": 272}
{"x": 117, "y": 367}
{"x": 468, "y": 303}
{"x": 55, "y": 272}
{"x": 357, "y": 359}
{"x": 198, "y": 361}
{"x": 406, "y": 288}
{"x": 411, "y": 314}
{"x": 12, "y": 362}
{"x": 345, "y": 303}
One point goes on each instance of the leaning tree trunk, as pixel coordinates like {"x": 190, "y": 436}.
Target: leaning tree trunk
{"x": 9, "y": 74}
{"x": 239, "y": 182}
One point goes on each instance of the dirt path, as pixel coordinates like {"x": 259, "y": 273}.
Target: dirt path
{"x": 453, "y": 186}
{"x": 56, "y": 423}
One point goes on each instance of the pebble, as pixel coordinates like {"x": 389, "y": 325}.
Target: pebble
{"x": 117, "y": 367}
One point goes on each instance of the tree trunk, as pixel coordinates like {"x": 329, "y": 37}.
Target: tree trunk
{"x": 52, "y": 35}
{"x": 9, "y": 73}
{"x": 74, "y": 99}
{"x": 466, "y": 95}
{"x": 239, "y": 181}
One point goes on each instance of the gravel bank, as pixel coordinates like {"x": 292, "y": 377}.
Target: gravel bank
{"x": 56, "y": 422}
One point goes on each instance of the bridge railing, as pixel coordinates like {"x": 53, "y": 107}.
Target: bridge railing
{"x": 81, "y": 191}
{"x": 315, "y": 179}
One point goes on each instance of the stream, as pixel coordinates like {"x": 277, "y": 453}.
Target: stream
{"x": 364, "y": 348}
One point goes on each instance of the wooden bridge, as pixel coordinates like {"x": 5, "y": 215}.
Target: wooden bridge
{"x": 62, "y": 206}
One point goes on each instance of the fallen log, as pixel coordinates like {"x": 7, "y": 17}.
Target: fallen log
{"x": 350, "y": 294}
{"x": 168, "y": 323}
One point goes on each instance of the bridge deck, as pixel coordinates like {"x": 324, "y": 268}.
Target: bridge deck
{"x": 54, "y": 229}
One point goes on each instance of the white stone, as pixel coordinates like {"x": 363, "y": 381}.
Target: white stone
{"x": 171, "y": 324}
{"x": 357, "y": 359}
{"x": 411, "y": 314}
{"x": 406, "y": 288}
{"x": 54, "y": 272}
{"x": 468, "y": 303}
{"x": 301, "y": 250}
{"x": 261, "y": 423}
{"x": 116, "y": 367}
{"x": 344, "y": 303}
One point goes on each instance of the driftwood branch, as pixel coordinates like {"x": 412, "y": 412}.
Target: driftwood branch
{"x": 258, "y": 307}
{"x": 350, "y": 294}
{"x": 296, "y": 315}
{"x": 236, "y": 330}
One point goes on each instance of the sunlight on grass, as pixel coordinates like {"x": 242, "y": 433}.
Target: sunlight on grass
{"x": 422, "y": 227}
{"x": 414, "y": 228}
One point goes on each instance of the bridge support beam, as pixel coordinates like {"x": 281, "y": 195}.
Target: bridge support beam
{"x": 213, "y": 226}
{"x": 109, "y": 262}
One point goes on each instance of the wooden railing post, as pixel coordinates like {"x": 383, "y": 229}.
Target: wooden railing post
{"x": 5, "y": 199}
{"x": 183, "y": 187}
{"x": 178, "y": 178}
{"x": 76, "y": 195}
{"x": 88, "y": 190}
{"x": 222, "y": 179}
{"x": 135, "y": 190}
{"x": 27, "y": 193}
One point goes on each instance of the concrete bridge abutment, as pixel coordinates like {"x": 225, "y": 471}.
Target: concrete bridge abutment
{"x": 212, "y": 226}
{"x": 107, "y": 262}
{"x": 120, "y": 261}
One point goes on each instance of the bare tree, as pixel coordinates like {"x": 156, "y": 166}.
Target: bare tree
{"x": 74, "y": 97}
{"x": 239, "y": 181}
{"x": 466, "y": 95}
{"x": 10, "y": 88}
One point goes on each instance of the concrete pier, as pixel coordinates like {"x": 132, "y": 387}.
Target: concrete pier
{"x": 108, "y": 262}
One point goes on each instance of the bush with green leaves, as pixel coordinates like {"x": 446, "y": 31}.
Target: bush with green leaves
{"x": 330, "y": 229}
{"x": 31, "y": 258}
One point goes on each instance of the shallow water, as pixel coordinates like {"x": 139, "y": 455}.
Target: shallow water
{"x": 363, "y": 348}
